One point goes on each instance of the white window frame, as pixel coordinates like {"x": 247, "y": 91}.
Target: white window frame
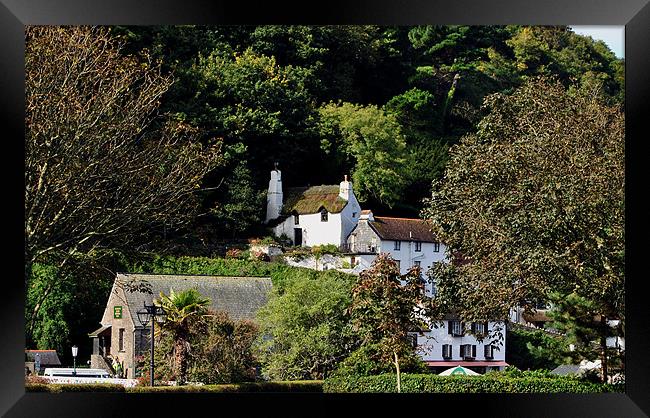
{"x": 418, "y": 246}
{"x": 456, "y": 328}
{"x": 398, "y": 245}
{"x": 436, "y": 247}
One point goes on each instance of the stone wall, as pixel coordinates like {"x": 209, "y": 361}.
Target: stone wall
{"x": 363, "y": 238}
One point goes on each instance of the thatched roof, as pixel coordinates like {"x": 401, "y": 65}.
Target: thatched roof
{"x": 307, "y": 200}
{"x": 240, "y": 297}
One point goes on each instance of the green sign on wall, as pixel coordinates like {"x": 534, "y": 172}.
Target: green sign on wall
{"x": 117, "y": 312}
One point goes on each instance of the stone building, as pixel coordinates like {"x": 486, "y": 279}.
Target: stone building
{"x": 122, "y": 335}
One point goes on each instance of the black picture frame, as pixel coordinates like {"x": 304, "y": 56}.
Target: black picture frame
{"x": 634, "y": 14}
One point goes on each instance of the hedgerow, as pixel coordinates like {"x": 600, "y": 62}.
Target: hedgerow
{"x": 429, "y": 383}
{"x": 278, "y": 272}
{"x": 76, "y": 387}
{"x": 293, "y": 386}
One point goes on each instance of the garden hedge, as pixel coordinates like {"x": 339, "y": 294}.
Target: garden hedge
{"x": 76, "y": 387}
{"x": 279, "y": 272}
{"x": 294, "y": 386}
{"x": 429, "y": 383}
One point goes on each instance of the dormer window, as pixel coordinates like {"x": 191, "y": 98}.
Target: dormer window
{"x": 323, "y": 215}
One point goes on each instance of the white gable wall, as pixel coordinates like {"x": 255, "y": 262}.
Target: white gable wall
{"x": 314, "y": 231}
{"x": 348, "y": 221}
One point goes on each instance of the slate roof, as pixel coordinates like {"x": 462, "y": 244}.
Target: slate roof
{"x": 48, "y": 357}
{"x": 306, "y": 200}
{"x": 402, "y": 229}
{"x": 240, "y": 297}
{"x": 567, "y": 369}
{"x": 537, "y": 316}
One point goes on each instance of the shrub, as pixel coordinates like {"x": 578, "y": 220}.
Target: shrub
{"x": 260, "y": 256}
{"x": 36, "y": 379}
{"x": 234, "y": 253}
{"x": 221, "y": 352}
{"x": 491, "y": 383}
{"x": 74, "y": 387}
{"x": 293, "y": 386}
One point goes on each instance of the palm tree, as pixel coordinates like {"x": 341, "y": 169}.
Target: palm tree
{"x": 181, "y": 308}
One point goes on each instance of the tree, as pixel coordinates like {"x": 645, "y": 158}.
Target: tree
{"x": 182, "y": 309}
{"x": 581, "y": 320}
{"x": 222, "y": 351}
{"x": 534, "y": 349}
{"x": 534, "y": 202}
{"x": 101, "y": 169}
{"x": 385, "y": 307}
{"x": 304, "y": 332}
{"x": 368, "y": 141}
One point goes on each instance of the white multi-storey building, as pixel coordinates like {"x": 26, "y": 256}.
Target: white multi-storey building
{"x": 452, "y": 343}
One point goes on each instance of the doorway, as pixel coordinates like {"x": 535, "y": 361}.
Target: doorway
{"x": 297, "y": 236}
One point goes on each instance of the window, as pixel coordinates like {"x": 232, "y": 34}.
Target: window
{"x": 323, "y": 215}
{"x": 489, "y": 351}
{"x": 446, "y": 351}
{"x": 418, "y": 246}
{"x": 455, "y": 328}
{"x": 479, "y": 328}
{"x": 436, "y": 247}
{"x": 398, "y": 245}
{"x": 296, "y": 219}
{"x": 417, "y": 263}
{"x": 120, "y": 344}
{"x": 468, "y": 351}
{"x": 397, "y": 262}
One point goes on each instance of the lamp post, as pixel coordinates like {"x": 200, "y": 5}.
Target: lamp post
{"x": 75, "y": 350}
{"x": 151, "y": 313}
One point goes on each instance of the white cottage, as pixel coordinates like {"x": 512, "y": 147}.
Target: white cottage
{"x": 315, "y": 215}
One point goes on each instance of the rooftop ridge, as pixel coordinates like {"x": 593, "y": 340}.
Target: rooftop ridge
{"x": 192, "y": 275}
{"x": 406, "y": 219}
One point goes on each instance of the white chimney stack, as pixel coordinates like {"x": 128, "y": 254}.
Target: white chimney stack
{"x": 274, "y": 195}
{"x": 366, "y": 215}
{"x": 345, "y": 188}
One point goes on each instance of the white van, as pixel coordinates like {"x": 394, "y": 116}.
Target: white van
{"x": 70, "y": 372}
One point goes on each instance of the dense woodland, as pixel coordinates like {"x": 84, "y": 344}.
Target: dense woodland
{"x": 382, "y": 104}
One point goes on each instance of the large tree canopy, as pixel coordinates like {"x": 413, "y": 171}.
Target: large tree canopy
{"x": 534, "y": 202}
{"x": 99, "y": 166}
{"x": 369, "y": 141}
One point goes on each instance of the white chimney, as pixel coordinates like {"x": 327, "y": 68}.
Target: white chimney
{"x": 274, "y": 195}
{"x": 366, "y": 215}
{"x": 345, "y": 188}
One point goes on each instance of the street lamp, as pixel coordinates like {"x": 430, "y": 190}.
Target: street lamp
{"x": 151, "y": 313}
{"x": 75, "y": 350}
